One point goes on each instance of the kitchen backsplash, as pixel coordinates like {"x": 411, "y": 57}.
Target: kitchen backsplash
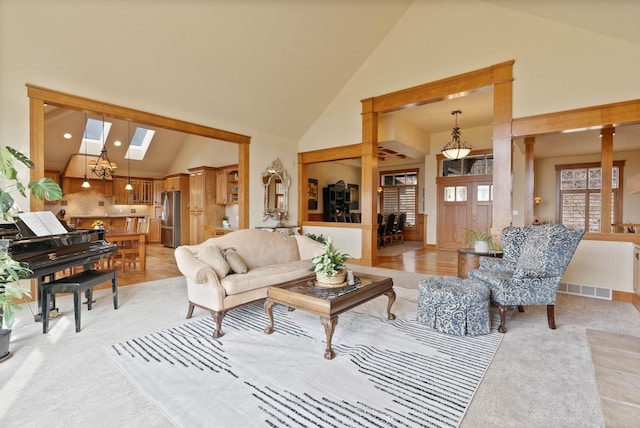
{"x": 92, "y": 202}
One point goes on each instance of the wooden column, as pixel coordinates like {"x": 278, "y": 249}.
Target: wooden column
{"x": 502, "y": 156}
{"x": 36, "y": 146}
{"x": 243, "y": 185}
{"x": 303, "y": 187}
{"x": 369, "y": 177}
{"x": 606, "y": 164}
{"x": 529, "y": 180}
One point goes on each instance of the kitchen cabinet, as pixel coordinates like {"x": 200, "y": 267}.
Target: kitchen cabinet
{"x": 196, "y": 227}
{"x": 227, "y": 188}
{"x": 146, "y": 191}
{"x": 121, "y": 195}
{"x": 134, "y": 193}
{"x": 173, "y": 182}
{"x": 158, "y": 188}
{"x": 203, "y": 209}
{"x": 74, "y": 185}
{"x": 154, "y": 230}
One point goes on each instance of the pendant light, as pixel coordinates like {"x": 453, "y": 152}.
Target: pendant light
{"x": 85, "y": 183}
{"x": 456, "y": 149}
{"x": 103, "y": 167}
{"x": 129, "y": 186}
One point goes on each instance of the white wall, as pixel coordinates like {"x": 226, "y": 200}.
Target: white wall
{"x": 605, "y": 264}
{"x": 344, "y": 239}
{"x": 554, "y": 63}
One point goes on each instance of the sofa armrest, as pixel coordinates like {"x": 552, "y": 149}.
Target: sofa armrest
{"x": 307, "y": 247}
{"x": 192, "y": 267}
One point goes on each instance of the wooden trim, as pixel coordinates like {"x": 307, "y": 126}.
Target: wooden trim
{"x": 331, "y": 154}
{"x": 243, "y": 185}
{"x": 528, "y": 179}
{"x": 88, "y": 105}
{"x": 612, "y": 237}
{"x": 38, "y": 96}
{"x": 441, "y": 89}
{"x": 623, "y": 296}
{"x": 595, "y": 116}
{"x": 618, "y": 163}
{"x": 501, "y": 77}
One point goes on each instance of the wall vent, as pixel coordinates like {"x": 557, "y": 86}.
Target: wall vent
{"x": 585, "y": 290}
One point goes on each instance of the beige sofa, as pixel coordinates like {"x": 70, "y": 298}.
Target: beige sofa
{"x": 270, "y": 258}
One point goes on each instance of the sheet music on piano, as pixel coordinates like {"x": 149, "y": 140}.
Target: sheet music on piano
{"x": 42, "y": 223}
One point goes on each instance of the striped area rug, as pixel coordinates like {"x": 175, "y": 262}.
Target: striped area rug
{"x": 385, "y": 373}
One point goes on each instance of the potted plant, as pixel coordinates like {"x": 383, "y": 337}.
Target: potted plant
{"x": 225, "y": 221}
{"x": 481, "y": 241}
{"x": 329, "y": 266}
{"x": 11, "y": 270}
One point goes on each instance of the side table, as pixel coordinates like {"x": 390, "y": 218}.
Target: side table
{"x": 469, "y": 259}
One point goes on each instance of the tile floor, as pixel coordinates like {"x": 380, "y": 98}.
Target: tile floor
{"x": 616, "y": 361}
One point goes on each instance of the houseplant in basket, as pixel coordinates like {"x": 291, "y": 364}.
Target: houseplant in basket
{"x": 329, "y": 266}
{"x": 11, "y": 270}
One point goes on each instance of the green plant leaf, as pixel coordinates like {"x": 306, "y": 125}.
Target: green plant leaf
{"x": 6, "y": 202}
{"x": 45, "y": 188}
{"x": 21, "y": 157}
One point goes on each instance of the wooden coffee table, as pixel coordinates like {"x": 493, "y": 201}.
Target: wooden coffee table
{"x": 328, "y": 302}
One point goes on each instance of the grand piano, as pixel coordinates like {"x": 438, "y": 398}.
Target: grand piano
{"x": 46, "y": 255}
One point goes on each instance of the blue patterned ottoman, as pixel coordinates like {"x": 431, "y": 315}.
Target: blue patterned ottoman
{"x": 454, "y": 305}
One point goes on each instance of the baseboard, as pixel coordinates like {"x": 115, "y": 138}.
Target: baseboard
{"x": 636, "y": 301}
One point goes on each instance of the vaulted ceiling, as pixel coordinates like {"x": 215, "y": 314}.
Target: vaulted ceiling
{"x": 278, "y": 64}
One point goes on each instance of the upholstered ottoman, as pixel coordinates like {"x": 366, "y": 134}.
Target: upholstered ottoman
{"x": 454, "y": 305}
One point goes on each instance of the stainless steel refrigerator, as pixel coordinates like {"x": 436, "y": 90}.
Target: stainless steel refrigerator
{"x": 170, "y": 219}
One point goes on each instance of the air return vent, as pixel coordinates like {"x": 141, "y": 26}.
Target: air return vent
{"x": 585, "y": 290}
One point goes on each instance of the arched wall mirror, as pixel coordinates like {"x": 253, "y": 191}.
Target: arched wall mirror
{"x": 276, "y": 183}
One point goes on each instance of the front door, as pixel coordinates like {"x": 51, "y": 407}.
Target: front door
{"x": 464, "y": 202}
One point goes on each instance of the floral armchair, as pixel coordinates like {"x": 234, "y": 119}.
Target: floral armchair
{"x": 534, "y": 260}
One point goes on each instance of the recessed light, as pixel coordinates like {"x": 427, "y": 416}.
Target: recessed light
{"x": 67, "y": 136}
{"x": 117, "y": 143}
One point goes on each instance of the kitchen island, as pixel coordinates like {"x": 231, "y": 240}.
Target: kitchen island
{"x": 111, "y": 222}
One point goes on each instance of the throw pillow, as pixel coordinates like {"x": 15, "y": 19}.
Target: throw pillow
{"x": 235, "y": 261}
{"x": 211, "y": 255}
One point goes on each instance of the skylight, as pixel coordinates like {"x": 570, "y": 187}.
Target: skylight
{"x": 139, "y": 144}
{"x": 93, "y": 140}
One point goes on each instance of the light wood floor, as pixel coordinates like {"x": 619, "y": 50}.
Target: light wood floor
{"x": 161, "y": 264}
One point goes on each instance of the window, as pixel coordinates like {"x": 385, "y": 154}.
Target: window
{"x": 580, "y": 196}
{"x": 139, "y": 143}
{"x": 95, "y": 134}
{"x": 399, "y": 194}
{"x": 471, "y": 165}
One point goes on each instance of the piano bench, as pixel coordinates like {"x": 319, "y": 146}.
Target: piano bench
{"x": 76, "y": 284}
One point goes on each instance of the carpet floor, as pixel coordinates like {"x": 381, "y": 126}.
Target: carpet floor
{"x": 385, "y": 373}
{"x": 538, "y": 377}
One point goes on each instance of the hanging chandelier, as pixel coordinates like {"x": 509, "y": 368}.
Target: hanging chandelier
{"x": 103, "y": 167}
{"x": 456, "y": 149}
